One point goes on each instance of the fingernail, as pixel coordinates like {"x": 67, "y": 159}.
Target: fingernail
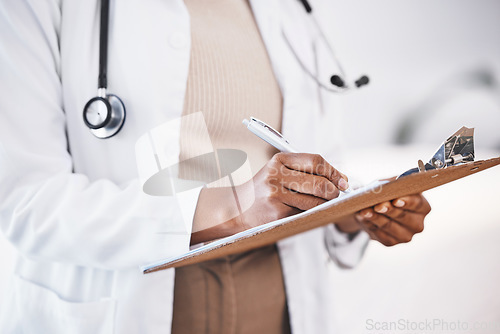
{"x": 343, "y": 185}
{"x": 368, "y": 214}
{"x": 382, "y": 209}
{"x": 399, "y": 203}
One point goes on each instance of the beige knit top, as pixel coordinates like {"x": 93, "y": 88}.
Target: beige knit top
{"x": 230, "y": 78}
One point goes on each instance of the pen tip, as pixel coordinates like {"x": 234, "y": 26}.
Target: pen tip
{"x": 245, "y": 122}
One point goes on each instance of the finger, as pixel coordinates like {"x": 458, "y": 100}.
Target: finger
{"x": 309, "y": 184}
{"x": 389, "y": 226}
{"x": 298, "y": 200}
{"x": 377, "y": 234}
{"x": 387, "y": 209}
{"x": 385, "y": 238}
{"x": 342, "y": 175}
{"x": 370, "y": 229}
{"x": 312, "y": 164}
{"x": 415, "y": 203}
{"x": 411, "y": 221}
{"x": 370, "y": 215}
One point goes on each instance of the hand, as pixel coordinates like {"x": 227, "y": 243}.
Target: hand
{"x": 288, "y": 184}
{"x": 396, "y": 221}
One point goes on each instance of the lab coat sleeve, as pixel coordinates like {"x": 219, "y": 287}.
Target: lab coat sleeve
{"x": 345, "y": 249}
{"x": 48, "y": 212}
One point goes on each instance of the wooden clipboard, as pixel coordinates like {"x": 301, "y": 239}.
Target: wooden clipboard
{"x": 241, "y": 242}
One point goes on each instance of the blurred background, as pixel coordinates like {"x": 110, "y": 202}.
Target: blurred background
{"x": 434, "y": 66}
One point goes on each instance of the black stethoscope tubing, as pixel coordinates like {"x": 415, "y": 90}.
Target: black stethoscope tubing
{"x": 103, "y": 45}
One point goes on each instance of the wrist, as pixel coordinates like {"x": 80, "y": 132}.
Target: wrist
{"x": 216, "y": 215}
{"x": 221, "y": 230}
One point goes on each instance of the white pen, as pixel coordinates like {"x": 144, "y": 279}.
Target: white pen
{"x": 272, "y": 137}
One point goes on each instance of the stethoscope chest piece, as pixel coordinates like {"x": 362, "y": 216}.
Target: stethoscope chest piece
{"x": 104, "y": 116}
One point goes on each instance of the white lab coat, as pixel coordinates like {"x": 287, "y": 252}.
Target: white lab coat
{"x": 71, "y": 204}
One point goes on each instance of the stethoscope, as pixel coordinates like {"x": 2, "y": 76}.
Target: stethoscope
{"x": 338, "y": 82}
{"x": 105, "y": 114}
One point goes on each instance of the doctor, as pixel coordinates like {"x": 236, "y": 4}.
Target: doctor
{"x": 72, "y": 204}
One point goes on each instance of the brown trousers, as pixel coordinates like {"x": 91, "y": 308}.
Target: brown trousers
{"x": 241, "y": 294}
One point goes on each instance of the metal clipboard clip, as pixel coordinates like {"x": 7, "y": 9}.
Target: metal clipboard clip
{"x": 457, "y": 149}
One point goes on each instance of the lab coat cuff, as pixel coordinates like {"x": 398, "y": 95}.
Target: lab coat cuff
{"x": 345, "y": 249}
{"x": 341, "y": 238}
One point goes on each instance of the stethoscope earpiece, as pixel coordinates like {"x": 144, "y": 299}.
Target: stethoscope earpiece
{"x": 337, "y": 81}
{"x": 363, "y": 80}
